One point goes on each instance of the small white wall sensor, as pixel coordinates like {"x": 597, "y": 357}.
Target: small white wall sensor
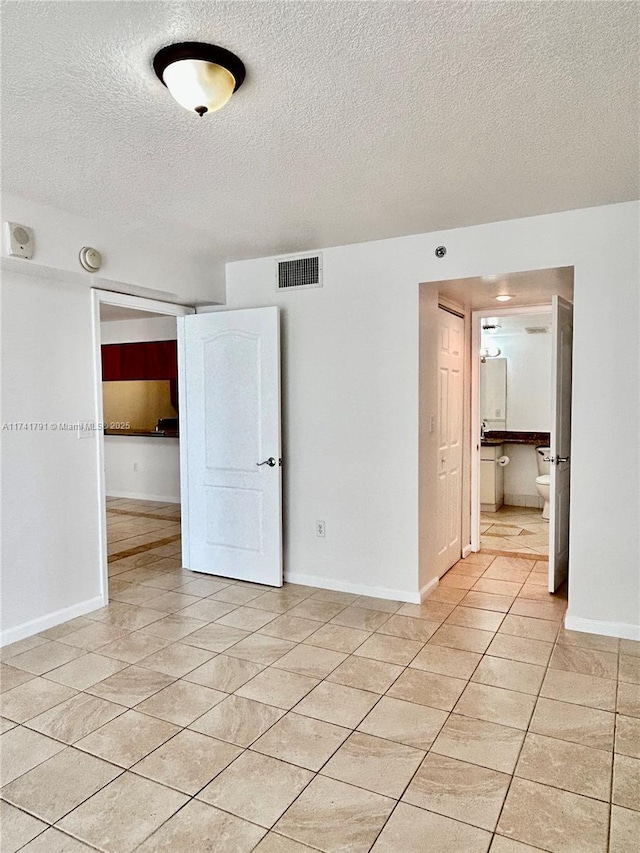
{"x": 19, "y": 240}
{"x": 91, "y": 259}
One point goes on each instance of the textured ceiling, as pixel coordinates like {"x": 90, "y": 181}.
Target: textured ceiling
{"x": 357, "y": 121}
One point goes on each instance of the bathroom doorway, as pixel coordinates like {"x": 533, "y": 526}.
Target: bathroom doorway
{"x": 521, "y": 408}
{"x": 520, "y": 347}
{"x": 515, "y": 430}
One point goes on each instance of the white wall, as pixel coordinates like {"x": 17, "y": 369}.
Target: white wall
{"x": 137, "y": 331}
{"x": 351, "y": 401}
{"x": 350, "y": 377}
{"x": 156, "y": 475}
{"x": 129, "y": 265}
{"x": 50, "y": 537}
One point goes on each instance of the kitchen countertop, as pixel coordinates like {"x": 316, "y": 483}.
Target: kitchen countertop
{"x": 537, "y": 439}
{"x": 167, "y": 433}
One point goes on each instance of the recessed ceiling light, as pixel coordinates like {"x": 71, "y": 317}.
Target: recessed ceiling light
{"x": 504, "y": 298}
{"x": 201, "y": 77}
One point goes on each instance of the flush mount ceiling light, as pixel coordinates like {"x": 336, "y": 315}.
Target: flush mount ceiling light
{"x": 504, "y": 297}
{"x": 201, "y": 77}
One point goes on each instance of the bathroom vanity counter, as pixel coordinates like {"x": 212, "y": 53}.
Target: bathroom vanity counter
{"x": 495, "y": 437}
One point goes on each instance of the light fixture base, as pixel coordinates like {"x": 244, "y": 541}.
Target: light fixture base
{"x": 199, "y": 50}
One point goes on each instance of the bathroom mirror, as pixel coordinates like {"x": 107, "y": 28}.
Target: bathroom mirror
{"x": 493, "y": 393}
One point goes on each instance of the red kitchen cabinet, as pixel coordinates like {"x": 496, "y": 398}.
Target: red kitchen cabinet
{"x": 151, "y": 360}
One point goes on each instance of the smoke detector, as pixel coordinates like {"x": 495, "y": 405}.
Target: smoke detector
{"x": 90, "y": 259}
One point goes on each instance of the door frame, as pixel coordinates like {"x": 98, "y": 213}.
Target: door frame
{"x": 139, "y": 303}
{"x": 475, "y": 446}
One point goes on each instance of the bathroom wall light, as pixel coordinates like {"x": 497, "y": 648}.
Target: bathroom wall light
{"x": 201, "y": 77}
{"x": 489, "y": 352}
{"x": 504, "y": 297}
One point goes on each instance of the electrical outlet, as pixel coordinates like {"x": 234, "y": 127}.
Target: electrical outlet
{"x": 135, "y": 466}
{"x": 84, "y": 430}
{"x": 320, "y": 528}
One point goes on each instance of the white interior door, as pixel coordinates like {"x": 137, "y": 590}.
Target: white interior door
{"x": 231, "y": 473}
{"x": 560, "y": 473}
{"x": 450, "y": 399}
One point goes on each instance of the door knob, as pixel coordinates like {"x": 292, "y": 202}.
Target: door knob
{"x": 270, "y": 462}
{"x": 555, "y": 460}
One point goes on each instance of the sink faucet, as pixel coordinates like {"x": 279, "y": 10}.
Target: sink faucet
{"x": 483, "y": 429}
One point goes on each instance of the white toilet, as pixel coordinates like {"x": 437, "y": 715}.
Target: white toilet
{"x": 542, "y": 480}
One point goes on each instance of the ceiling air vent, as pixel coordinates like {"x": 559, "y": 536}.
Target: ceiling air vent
{"x": 536, "y": 330}
{"x": 299, "y": 271}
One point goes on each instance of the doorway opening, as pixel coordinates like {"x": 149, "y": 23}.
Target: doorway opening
{"x": 205, "y": 497}
{"x": 514, "y": 399}
{"x": 139, "y": 455}
{"x": 495, "y": 423}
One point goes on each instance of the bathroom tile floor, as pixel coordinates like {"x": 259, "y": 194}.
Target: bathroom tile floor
{"x": 195, "y": 713}
{"x": 515, "y": 529}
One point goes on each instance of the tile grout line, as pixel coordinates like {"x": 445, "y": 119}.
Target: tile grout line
{"x": 524, "y": 740}
{"x": 349, "y": 654}
{"x": 613, "y": 757}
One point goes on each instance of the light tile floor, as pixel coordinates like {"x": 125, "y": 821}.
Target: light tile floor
{"x": 515, "y": 529}
{"x": 136, "y": 526}
{"x": 199, "y": 714}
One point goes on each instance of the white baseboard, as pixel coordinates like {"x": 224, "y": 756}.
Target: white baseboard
{"x": 138, "y": 496}
{"x": 34, "y": 626}
{"x": 625, "y": 630}
{"x": 429, "y": 587}
{"x": 357, "y": 589}
{"x": 466, "y": 551}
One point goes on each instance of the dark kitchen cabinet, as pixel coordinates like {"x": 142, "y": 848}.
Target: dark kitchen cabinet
{"x": 151, "y": 360}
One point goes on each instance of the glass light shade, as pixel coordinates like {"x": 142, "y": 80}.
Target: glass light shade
{"x": 490, "y": 352}
{"x": 195, "y": 83}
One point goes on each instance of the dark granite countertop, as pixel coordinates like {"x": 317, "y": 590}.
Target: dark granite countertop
{"x": 167, "y": 433}
{"x": 494, "y": 437}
